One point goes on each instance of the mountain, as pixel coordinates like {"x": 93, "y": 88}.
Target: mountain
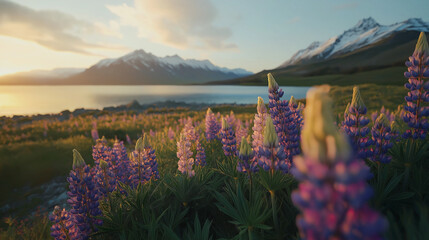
{"x": 366, "y": 53}
{"x": 135, "y": 68}
{"x": 366, "y": 32}
{"x": 40, "y": 76}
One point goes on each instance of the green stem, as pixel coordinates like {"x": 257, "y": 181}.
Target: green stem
{"x": 274, "y": 208}
{"x": 249, "y": 231}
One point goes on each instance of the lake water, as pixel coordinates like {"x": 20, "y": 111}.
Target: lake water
{"x": 22, "y": 100}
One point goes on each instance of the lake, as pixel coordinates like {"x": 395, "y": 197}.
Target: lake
{"x": 23, "y": 100}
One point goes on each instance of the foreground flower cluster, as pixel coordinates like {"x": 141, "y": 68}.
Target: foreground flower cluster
{"x": 288, "y": 142}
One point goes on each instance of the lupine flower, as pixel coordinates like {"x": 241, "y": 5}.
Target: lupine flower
{"x": 416, "y": 109}
{"x": 333, "y": 191}
{"x": 200, "y": 157}
{"x": 228, "y": 139}
{"x": 381, "y": 136}
{"x": 259, "y": 125}
{"x": 105, "y": 179}
{"x": 119, "y": 162}
{"x": 171, "y": 133}
{"x": 64, "y": 226}
{"x": 144, "y": 166}
{"x": 294, "y": 128}
{"x": 354, "y": 125}
{"x": 184, "y": 154}
{"x": 283, "y": 118}
{"x": 94, "y": 134}
{"x": 189, "y": 131}
{"x": 272, "y": 155}
{"x": 101, "y": 151}
{"x": 230, "y": 119}
{"x": 240, "y": 131}
{"x": 212, "y": 126}
{"x": 247, "y": 162}
{"x": 83, "y": 196}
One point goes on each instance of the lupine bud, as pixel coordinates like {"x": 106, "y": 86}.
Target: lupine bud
{"x": 261, "y": 106}
{"x": 357, "y": 102}
{"x": 272, "y": 84}
{"x": 78, "y": 161}
{"x": 422, "y": 47}
{"x": 320, "y": 138}
{"x": 270, "y": 135}
{"x": 247, "y": 161}
{"x": 245, "y": 148}
{"x": 103, "y": 164}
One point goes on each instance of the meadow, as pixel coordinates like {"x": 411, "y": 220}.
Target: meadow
{"x": 306, "y": 169}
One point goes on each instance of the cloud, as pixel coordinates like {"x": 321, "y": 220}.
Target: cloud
{"x": 343, "y": 6}
{"x": 52, "y": 29}
{"x": 177, "y": 23}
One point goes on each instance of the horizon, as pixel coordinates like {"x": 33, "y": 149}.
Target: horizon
{"x": 46, "y": 35}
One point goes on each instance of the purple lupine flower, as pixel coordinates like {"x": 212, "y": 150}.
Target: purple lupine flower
{"x": 272, "y": 156}
{"x": 212, "y": 126}
{"x": 228, "y": 139}
{"x": 259, "y": 125}
{"x": 333, "y": 191}
{"x": 101, "y": 151}
{"x": 200, "y": 156}
{"x": 189, "y": 130}
{"x": 83, "y": 196}
{"x": 294, "y": 128}
{"x": 144, "y": 166}
{"x": 240, "y": 131}
{"x": 170, "y": 133}
{"x": 283, "y": 118}
{"x": 381, "y": 137}
{"x": 354, "y": 125}
{"x": 119, "y": 162}
{"x": 64, "y": 226}
{"x": 230, "y": 119}
{"x": 184, "y": 154}
{"x": 247, "y": 162}
{"x": 94, "y": 134}
{"x": 417, "y": 109}
{"x": 105, "y": 179}
{"x": 152, "y": 133}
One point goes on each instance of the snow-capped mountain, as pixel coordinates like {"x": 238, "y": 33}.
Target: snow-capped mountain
{"x": 366, "y": 32}
{"x": 140, "y": 57}
{"x": 135, "y": 68}
{"x": 140, "y": 67}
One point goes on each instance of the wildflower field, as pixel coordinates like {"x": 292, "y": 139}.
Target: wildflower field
{"x": 284, "y": 170}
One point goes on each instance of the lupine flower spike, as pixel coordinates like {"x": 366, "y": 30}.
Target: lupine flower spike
{"x": 184, "y": 154}
{"x": 200, "y": 157}
{"x": 272, "y": 156}
{"x": 228, "y": 139}
{"x": 283, "y": 118}
{"x": 354, "y": 125}
{"x": 381, "y": 136}
{"x": 144, "y": 166}
{"x": 333, "y": 191}
{"x": 83, "y": 196}
{"x": 247, "y": 162}
{"x": 212, "y": 126}
{"x": 417, "y": 109}
{"x": 64, "y": 226}
{"x": 259, "y": 125}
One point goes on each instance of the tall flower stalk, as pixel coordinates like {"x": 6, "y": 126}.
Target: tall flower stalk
{"x": 83, "y": 196}
{"x": 333, "y": 192}
{"x": 382, "y": 139}
{"x": 144, "y": 167}
{"x": 417, "y": 109}
{"x": 229, "y": 141}
{"x": 212, "y": 126}
{"x": 184, "y": 154}
{"x": 355, "y": 125}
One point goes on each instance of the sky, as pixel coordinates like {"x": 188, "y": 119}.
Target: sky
{"x": 250, "y": 34}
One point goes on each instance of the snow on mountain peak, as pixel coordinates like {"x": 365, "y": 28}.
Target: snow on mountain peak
{"x": 365, "y": 32}
{"x": 139, "y": 57}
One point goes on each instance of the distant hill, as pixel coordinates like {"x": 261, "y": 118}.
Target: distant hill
{"x": 368, "y": 47}
{"x": 135, "y": 68}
